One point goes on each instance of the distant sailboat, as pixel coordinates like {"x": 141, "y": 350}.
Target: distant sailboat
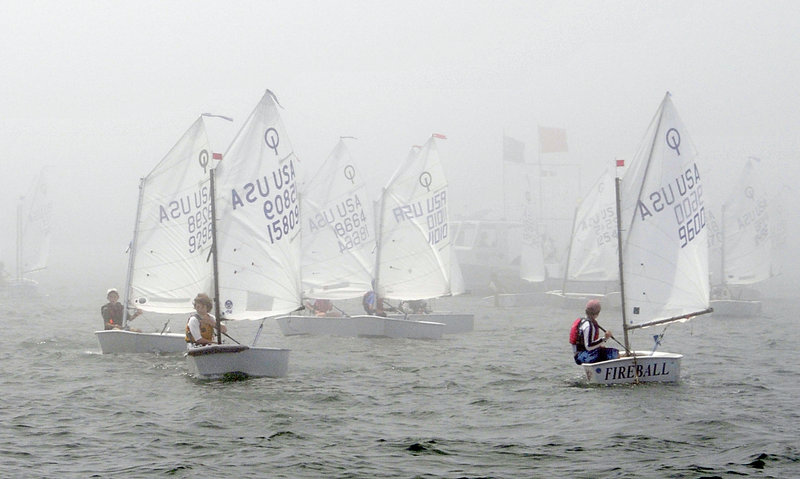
{"x": 338, "y": 234}
{"x": 592, "y": 262}
{"x": 34, "y": 216}
{"x": 663, "y": 248}
{"x": 339, "y": 241}
{"x": 415, "y": 258}
{"x": 745, "y": 249}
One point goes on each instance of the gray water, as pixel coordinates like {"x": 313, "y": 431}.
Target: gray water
{"x": 503, "y": 401}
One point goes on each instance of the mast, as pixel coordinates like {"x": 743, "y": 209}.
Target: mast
{"x": 212, "y": 174}
{"x": 132, "y": 256}
{"x": 617, "y": 182}
{"x": 569, "y": 250}
{"x": 378, "y": 241}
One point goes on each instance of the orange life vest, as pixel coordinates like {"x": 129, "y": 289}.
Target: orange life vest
{"x": 206, "y": 331}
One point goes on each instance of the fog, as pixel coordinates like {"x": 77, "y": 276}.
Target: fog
{"x": 100, "y": 91}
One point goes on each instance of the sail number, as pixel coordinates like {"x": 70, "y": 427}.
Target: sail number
{"x": 691, "y": 216}
{"x": 351, "y": 231}
{"x": 603, "y": 224}
{"x": 199, "y": 229}
{"x": 282, "y": 213}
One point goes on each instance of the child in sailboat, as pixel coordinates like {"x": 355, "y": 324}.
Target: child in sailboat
{"x": 321, "y": 307}
{"x": 372, "y": 303}
{"x": 588, "y": 346}
{"x": 113, "y": 311}
{"x": 201, "y": 326}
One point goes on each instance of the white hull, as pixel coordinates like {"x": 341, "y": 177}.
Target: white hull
{"x": 514, "y": 300}
{"x": 218, "y": 361}
{"x": 736, "y": 307}
{"x": 577, "y": 301}
{"x": 359, "y": 326}
{"x": 454, "y": 323}
{"x": 651, "y": 367}
{"x": 113, "y": 341}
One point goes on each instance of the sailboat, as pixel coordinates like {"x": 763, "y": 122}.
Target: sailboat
{"x": 415, "y": 259}
{"x": 591, "y": 265}
{"x": 167, "y": 262}
{"x": 663, "y": 248}
{"x": 744, "y": 249}
{"x": 454, "y": 322}
{"x": 34, "y": 213}
{"x": 338, "y": 250}
{"x": 255, "y": 241}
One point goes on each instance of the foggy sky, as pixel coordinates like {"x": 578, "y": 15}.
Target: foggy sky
{"x": 100, "y": 91}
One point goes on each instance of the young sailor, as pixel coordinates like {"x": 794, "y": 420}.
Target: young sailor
{"x": 201, "y": 325}
{"x": 113, "y": 311}
{"x": 590, "y": 347}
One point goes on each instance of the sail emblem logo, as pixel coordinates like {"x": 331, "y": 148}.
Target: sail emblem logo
{"x": 749, "y": 193}
{"x": 674, "y": 140}
{"x": 272, "y": 139}
{"x": 228, "y": 306}
{"x": 425, "y": 179}
{"x": 203, "y": 160}
{"x": 350, "y": 173}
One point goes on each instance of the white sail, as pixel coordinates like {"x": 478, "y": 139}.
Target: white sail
{"x": 746, "y": 246}
{"x": 593, "y": 248}
{"x": 33, "y": 242}
{"x": 338, "y": 235}
{"x": 172, "y": 239}
{"x": 414, "y": 241}
{"x": 664, "y": 239}
{"x": 258, "y": 219}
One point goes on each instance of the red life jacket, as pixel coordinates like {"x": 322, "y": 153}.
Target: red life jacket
{"x": 575, "y": 336}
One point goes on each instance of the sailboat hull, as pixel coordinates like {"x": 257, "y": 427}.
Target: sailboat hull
{"x": 736, "y": 307}
{"x": 643, "y": 366}
{"x": 577, "y": 301}
{"x": 359, "y": 326}
{"x": 454, "y": 323}
{"x": 221, "y": 360}
{"x": 115, "y": 341}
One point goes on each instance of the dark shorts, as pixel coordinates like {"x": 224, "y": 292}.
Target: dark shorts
{"x": 596, "y": 355}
